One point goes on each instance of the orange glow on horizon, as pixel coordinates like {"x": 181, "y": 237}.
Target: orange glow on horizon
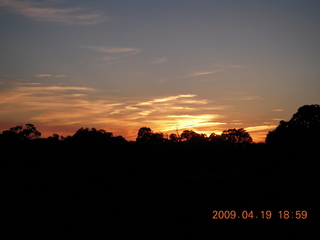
{"x": 65, "y": 109}
{"x": 131, "y": 134}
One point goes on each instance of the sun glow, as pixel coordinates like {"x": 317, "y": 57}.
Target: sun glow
{"x": 60, "y": 106}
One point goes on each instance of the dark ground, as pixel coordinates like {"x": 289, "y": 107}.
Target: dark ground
{"x": 133, "y": 191}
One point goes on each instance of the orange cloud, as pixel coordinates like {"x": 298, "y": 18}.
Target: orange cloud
{"x": 59, "y": 106}
{"x": 49, "y": 75}
{"x": 258, "y": 133}
{"x": 71, "y": 107}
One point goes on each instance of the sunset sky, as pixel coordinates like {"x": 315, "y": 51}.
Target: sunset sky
{"x": 201, "y": 65}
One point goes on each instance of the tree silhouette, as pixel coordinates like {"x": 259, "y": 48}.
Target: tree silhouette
{"x": 214, "y": 138}
{"x": 94, "y": 137}
{"x": 186, "y": 135}
{"x": 93, "y": 134}
{"x": 28, "y": 132}
{"x": 157, "y": 138}
{"x": 192, "y": 136}
{"x": 302, "y": 129}
{"x": 174, "y": 138}
{"x": 236, "y": 136}
{"x": 144, "y": 135}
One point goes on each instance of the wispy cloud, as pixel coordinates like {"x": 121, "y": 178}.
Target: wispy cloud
{"x": 159, "y": 60}
{"x": 50, "y": 105}
{"x": 27, "y": 84}
{"x": 260, "y": 128}
{"x": 38, "y": 94}
{"x": 115, "y": 50}
{"x": 226, "y": 66}
{"x": 199, "y": 74}
{"x": 44, "y": 13}
{"x": 193, "y": 121}
{"x": 166, "y": 99}
{"x": 258, "y": 133}
{"x": 71, "y": 107}
{"x": 112, "y": 54}
{"x": 49, "y": 75}
{"x": 202, "y": 73}
{"x": 245, "y": 98}
{"x": 62, "y": 106}
{"x": 210, "y": 69}
{"x": 278, "y": 110}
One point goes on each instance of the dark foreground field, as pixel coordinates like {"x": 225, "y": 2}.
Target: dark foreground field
{"x": 133, "y": 191}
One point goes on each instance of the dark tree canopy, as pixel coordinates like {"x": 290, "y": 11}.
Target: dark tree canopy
{"x": 186, "y": 135}
{"x": 192, "y": 136}
{"x": 174, "y": 138}
{"x": 214, "y": 138}
{"x": 28, "y": 132}
{"x": 94, "y": 136}
{"x": 146, "y": 135}
{"x": 85, "y": 133}
{"x": 303, "y": 128}
{"x": 307, "y": 118}
{"x": 236, "y": 136}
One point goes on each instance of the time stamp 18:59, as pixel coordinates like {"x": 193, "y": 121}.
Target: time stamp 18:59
{"x": 285, "y": 214}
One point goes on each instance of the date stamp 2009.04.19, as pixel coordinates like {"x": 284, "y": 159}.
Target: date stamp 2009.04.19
{"x": 265, "y": 214}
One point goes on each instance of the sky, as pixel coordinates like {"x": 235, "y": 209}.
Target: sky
{"x": 201, "y": 65}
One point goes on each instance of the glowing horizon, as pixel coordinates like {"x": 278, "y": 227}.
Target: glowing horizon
{"x": 72, "y": 107}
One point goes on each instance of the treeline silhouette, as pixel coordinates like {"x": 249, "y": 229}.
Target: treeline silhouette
{"x": 302, "y": 129}
{"x": 20, "y": 134}
{"x": 94, "y": 185}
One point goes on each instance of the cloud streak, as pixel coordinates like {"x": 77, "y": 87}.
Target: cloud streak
{"x": 115, "y": 50}
{"x": 39, "y": 12}
{"x": 58, "y": 106}
{"x": 49, "y": 75}
{"x": 246, "y": 98}
{"x": 260, "y": 128}
{"x": 213, "y": 69}
{"x": 199, "y": 74}
{"x": 73, "y": 107}
{"x": 159, "y": 60}
{"x": 166, "y": 99}
{"x": 113, "y": 53}
{"x": 196, "y": 74}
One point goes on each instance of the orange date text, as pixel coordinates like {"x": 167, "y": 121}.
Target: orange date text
{"x": 265, "y": 214}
